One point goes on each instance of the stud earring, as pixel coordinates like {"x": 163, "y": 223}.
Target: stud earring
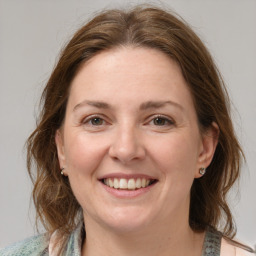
{"x": 202, "y": 170}
{"x": 62, "y": 169}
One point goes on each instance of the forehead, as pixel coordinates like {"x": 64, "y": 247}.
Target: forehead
{"x": 131, "y": 58}
{"x": 127, "y": 73}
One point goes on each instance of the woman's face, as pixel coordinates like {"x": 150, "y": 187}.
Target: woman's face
{"x": 130, "y": 142}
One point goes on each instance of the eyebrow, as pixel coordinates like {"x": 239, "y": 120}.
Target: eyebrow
{"x": 97, "y": 104}
{"x": 143, "y": 106}
{"x": 159, "y": 104}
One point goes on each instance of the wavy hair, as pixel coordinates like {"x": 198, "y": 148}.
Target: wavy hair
{"x": 150, "y": 27}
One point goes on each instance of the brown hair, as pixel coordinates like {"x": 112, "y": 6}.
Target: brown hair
{"x": 141, "y": 26}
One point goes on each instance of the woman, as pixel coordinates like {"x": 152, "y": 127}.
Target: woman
{"x": 134, "y": 150}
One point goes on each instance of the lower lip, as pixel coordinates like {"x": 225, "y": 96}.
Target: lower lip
{"x": 125, "y": 193}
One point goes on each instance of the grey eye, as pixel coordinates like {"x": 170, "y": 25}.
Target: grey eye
{"x": 96, "y": 121}
{"x": 160, "y": 121}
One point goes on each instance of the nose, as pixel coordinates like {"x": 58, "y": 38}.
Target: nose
{"x": 127, "y": 145}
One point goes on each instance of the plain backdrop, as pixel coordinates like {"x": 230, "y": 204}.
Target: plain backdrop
{"x": 31, "y": 36}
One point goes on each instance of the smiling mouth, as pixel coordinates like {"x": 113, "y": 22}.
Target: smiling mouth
{"x": 128, "y": 184}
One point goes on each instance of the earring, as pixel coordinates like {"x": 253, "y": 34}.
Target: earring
{"x": 202, "y": 170}
{"x": 62, "y": 169}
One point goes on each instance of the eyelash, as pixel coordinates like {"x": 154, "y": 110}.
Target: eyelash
{"x": 168, "y": 121}
{"x": 88, "y": 121}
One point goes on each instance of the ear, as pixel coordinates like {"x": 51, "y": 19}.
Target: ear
{"x": 208, "y": 146}
{"x": 60, "y": 148}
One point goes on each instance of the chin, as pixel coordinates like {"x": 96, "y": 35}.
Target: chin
{"x": 126, "y": 220}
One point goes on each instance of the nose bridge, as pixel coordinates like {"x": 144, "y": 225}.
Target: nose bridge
{"x": 127, "y": 144}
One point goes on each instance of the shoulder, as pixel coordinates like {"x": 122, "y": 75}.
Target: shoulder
{"x": 232, "y": 248}
{"x": 33, "y": 246}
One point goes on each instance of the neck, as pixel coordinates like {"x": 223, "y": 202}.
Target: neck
{"x": 152, "y": 240}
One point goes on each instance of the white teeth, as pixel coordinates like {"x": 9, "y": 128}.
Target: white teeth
{"x": 138, "y": 183}
{"x": 143, "y": 183}
{"x": 123, "y": 184}
{"x": 130, "y": 184}
{"x": 109, "y": 183}
{"x": 116, "y": 183}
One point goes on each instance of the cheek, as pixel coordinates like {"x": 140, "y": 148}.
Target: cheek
{"x": 83, "y": 156}
{"x": 177, "y": 158}
{"x": 83, "y": 153}
{"x": 176, "y": 153}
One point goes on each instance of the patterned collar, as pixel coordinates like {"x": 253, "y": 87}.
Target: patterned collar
{"x": 212, "y": 243}
{"x": 211, "y": 247}
{"x": 74, "y": 244}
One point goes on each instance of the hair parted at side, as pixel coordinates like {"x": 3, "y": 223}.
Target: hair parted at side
{"x": 142, "y": 26}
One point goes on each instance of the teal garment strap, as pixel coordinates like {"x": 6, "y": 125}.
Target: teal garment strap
{"x": 33, "y": 246}
{"x": 74, "y": 245}
{"x": 38, "y": 245}
{"x": 211, "y": 247}
{"x": 212, "y": 243}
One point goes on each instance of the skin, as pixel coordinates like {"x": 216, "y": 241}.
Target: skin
{"x": 133, "y": 136}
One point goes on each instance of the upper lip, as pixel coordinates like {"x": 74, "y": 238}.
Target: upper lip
{"x": 126, "y": 176}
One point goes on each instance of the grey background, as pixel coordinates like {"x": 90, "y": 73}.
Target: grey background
{"x": 31, "y": 35}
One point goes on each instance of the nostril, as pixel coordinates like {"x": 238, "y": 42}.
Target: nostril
{"x": 126, "y": 148}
